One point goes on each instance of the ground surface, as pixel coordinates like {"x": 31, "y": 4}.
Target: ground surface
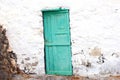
{"x": 51, "y": 77}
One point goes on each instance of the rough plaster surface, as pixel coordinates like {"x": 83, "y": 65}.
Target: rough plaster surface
{"x": 94, "y": 24}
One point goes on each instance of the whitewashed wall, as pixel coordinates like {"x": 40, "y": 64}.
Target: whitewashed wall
{"x": 95, "y": 27}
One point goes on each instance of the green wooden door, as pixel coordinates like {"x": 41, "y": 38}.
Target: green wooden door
{"x": 57, "y": 42}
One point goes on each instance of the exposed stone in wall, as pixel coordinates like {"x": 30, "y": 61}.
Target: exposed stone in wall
{"x": 35, "y": 64}
{"x": 95, "y": 52}
{"x": 27, "y": 58}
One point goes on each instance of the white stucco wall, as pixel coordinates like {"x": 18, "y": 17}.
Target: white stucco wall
{"x": 94, "y": 26}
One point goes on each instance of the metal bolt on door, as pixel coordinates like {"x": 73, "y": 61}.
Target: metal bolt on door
{"x": 57, "y": 41}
